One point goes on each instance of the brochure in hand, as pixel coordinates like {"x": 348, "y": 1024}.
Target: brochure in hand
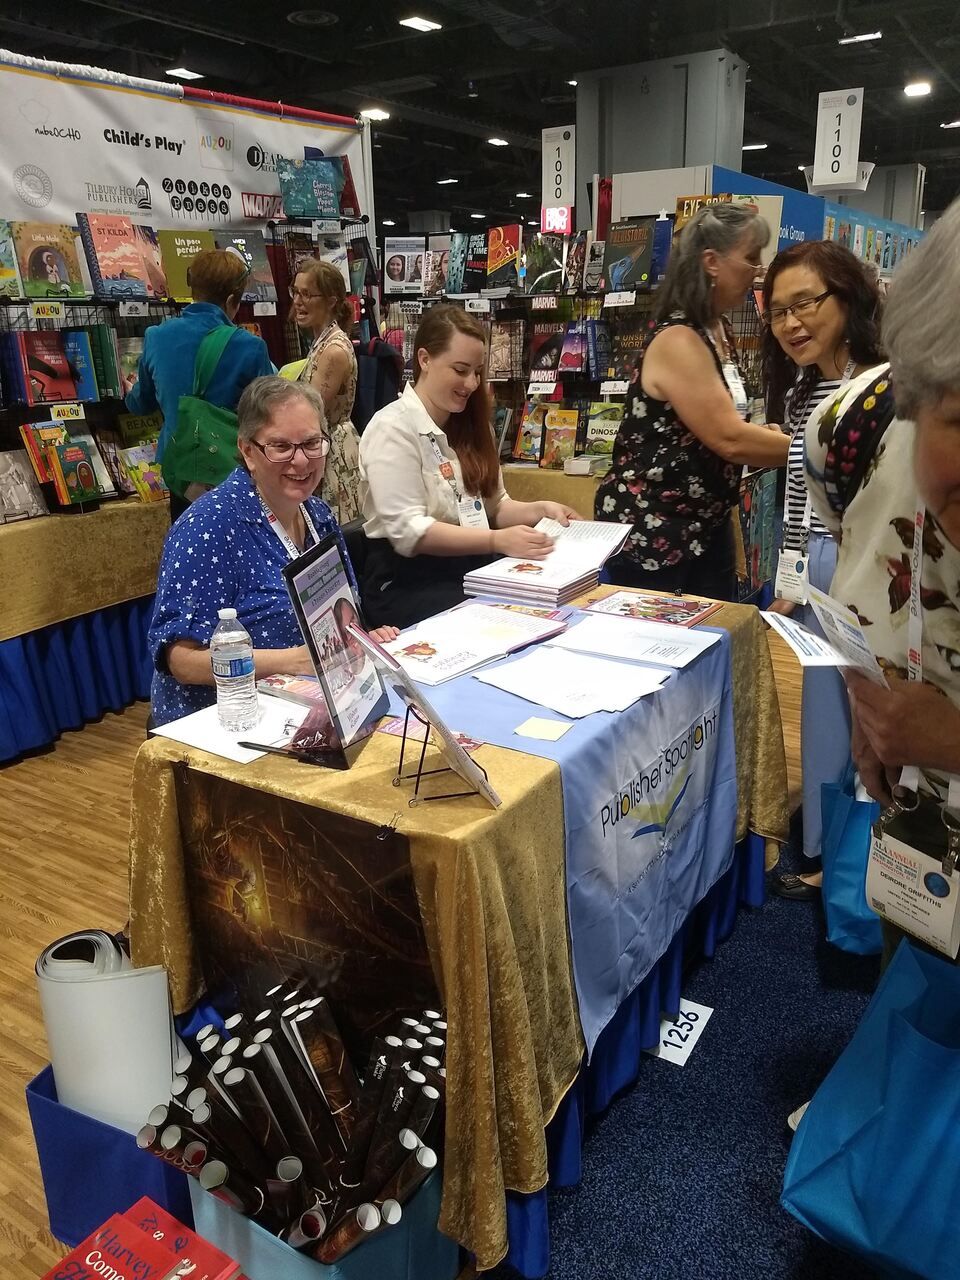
{"x": 324, "y": 603}
{"x": 469, "y": 636}
{"x": 451, "y": 750}
{"x": 572, "y": 567}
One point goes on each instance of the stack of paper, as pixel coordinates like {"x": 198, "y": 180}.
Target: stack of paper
{"x": 572, "y": 567}
{"x": 619, "y": 637}
{"x": 574, "y": 684}
{"x": 462, "y": 639}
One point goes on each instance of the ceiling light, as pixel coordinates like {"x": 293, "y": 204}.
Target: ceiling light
{"x": 420, "y": 24}
{"x": 801, "y": 168}
{"x": 184, "y": 73}
{"x": 950, "y": 124}
{"x": 573, "y": 82}
{"x": 867, "y": 35}
{"x": 472, "y": 90}
{"x": 498, "y": 142}
{"x": 478, "y": 215}
{"x": 446, "y": 182}
{"x": 917, "y": 89}
{"x": 532, "y": 222}
{"x": 524, "y": 195}
{"x": 375, "y": 113}
{"x": 754, "y": 146}
{"x": 313, "y": 18}
{"x": 389, "y": 222}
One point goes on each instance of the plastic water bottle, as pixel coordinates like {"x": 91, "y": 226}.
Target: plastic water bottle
{"x": 231, "y": 655}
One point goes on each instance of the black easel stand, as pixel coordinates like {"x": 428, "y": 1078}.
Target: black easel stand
{"x": 422, "y": 773}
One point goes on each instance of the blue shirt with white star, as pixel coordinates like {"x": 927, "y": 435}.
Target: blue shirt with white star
{"x": 221, "y": 553}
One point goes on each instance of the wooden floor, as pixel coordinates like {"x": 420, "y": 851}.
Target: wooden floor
{"x": 64, "y": 819}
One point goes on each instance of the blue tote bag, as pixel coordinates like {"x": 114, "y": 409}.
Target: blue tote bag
{"x": 875, "y": 1162}
{"x": 845, "y": 845}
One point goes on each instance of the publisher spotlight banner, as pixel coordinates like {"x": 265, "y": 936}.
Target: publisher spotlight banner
{"x": 73, "y": 144}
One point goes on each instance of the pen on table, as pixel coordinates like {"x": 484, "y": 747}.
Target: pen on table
{"x": 303, "y": 756}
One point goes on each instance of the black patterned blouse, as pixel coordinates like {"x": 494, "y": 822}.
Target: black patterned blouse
{"x": 664, "y": 481}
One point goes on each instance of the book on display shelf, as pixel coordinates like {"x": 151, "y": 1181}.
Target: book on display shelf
{"x": 526, "y": 447}
{"x": 140, "y": 465}
{"x": 468, "y": 636}
{"x": 456, "y": 268}
{"x": 114, "y": 256}
{"x": 9, "y": 276}
{"x": 572, "y": 567}
{"x": 576, "y": 260}
{"x": 37, "y": 436}
{"x": 71, "y": 468}
{"x": 79, "y": 356}
{"x": 544, "y": 263}
{"x": 679, "y": 611}
{"x": 251, "y": 247}
{"x": 503, "y": 256}
{"x": 148, "y": 243}
{"x": 475, "y": 271}
{"x": 593, "y": 266}
{"x": 178, "y": 249}
{"x": 627, "y": 255}
{"x": 310, "y": 188}
{"x": 47, "y": 372}
{"x": 346, "y": 189}
{"x": 587, "y": 464}
{"x": 573, "y": 352}
{"x": 105, "y": 482}
{"x": 20, "y": 494}
{"x": 435, "y": 263}
{"x": 546, "y": 346}
{"x": 599, "y": 348}
{"x": 559, "y": 436}
{"x": 603, "y": 421}
{"x": 626, "y": 344}
{"x": 47, "y": 260}
{"x": 129, "y": 350}
{"x": 502, "y": 420}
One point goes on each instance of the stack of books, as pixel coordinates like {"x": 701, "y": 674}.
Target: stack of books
{"x": 571, "y": 568}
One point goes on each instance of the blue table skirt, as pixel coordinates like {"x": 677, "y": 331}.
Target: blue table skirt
{"x": 65, "y": 675}
{"x": 616, "y": 1060}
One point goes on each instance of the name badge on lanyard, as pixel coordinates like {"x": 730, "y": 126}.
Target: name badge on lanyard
{"x": 471, "y": 512}
{"x": 288, "y": 543}
{"x": 731, "y": 376}
{"x": 793, "y": 566}
{"x": 917, "y": 890}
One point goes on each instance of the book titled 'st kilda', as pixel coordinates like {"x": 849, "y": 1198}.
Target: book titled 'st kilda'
{"x": 114, "y": 256}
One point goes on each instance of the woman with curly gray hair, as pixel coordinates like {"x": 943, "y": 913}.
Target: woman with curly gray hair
{"x": 679, "y": 454}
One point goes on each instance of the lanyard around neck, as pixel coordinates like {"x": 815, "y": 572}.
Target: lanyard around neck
{"x": 808, "y": 504}
{"x": 273, "y": 523}
{"x": 446, "y": 467}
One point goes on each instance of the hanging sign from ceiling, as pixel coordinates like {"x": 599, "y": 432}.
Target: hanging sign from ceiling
{"x": 837, "y": 155}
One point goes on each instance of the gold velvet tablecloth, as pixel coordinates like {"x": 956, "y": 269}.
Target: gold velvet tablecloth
{"x": 492, "y": 896}
{"x": 59, "y": 567}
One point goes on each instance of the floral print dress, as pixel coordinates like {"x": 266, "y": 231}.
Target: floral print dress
{"x": 340, "y": 488}
{"x": 674, "y": 491}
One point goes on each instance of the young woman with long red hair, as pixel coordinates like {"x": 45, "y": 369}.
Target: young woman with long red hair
{"x": 433, "y": 498}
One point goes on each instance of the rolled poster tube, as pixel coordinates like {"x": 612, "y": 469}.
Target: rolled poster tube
{"x": 210, "y": 1047}
{"x": 358, "y": 1225}
{"x": 233, "y": 1140}
{"x": 257, "y": 1113}
{"x": 232, "y": 1187}
{"x": 307, "y": 1032}
{"x": 415, "y": 1170}
{"x": 261, "y": 1060}
{"x": 382, "y": 1056}
{"x": 148, "y": 1139}
{"x": 423, "y": 1110}
{"x": 385, "y": 1155}
{"x": 310, "y": 1101}
{"x": 288, "y": 1191}
{"x": 234, "y": 1024}
{"x": 307, "y": 1230}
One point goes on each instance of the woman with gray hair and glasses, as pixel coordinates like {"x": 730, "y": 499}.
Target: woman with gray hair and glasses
{"x": 680, "y": 452}
{"x": 230, "y": 546}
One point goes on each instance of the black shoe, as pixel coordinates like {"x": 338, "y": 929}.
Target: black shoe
{"x": 786, "y": 885}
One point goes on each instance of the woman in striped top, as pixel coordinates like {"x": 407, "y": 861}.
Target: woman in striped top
{"x": 822, "y": 312}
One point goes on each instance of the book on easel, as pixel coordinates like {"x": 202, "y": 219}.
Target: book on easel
{"x": 454, "y": 755}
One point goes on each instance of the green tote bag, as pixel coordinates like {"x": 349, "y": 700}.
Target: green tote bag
{"x": 203, "y": 448}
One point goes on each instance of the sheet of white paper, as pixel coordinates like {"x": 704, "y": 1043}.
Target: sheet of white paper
{"x": 678, "y": 1039}
{"x": 811, "y": 650}
{"x": 842, "y": 628}
{"x": 279, "y": 719}
{"x": 635, "y": 639}
{"x": 574, "y": 684}
{"x": 111, "y": 1043}
{"x": 544, "y": 730}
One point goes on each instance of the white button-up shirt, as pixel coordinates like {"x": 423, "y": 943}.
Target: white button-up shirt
{"x": 401, "y": 488}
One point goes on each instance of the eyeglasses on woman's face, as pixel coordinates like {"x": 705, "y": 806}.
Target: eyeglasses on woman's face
{"x": 285, "y": 451}
{"x": 804, "y": 307}
{"x": 296, "y": 293}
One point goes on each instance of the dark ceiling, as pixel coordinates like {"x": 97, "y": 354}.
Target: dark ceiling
{"x": 501, "y": 68}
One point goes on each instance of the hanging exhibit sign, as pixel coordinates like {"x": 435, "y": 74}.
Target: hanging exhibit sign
{"x": 837, "y": 154}
{"x": 559, "y": 178}
{"x": 403, "y": 264}
{"x": 79, "y": 140}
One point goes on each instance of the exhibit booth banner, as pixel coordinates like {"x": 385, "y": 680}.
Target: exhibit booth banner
{"x": 78, "y": 140}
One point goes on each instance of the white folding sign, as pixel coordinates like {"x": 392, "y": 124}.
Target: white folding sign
{"x": 837, "y": 154}
{"x": 559, "y": 167}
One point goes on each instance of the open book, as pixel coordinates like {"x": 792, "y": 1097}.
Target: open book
{"x": 572, "y": 567}
{"x": 469, "y": 636}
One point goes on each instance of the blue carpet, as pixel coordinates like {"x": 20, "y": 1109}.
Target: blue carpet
{"x": 682, "y": 1175}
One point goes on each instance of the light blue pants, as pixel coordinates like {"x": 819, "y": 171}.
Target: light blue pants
{"x": 824, "y": 709}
